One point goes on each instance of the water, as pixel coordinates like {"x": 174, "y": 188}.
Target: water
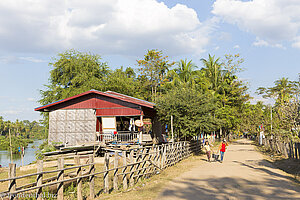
{"x": 29, "y": 156}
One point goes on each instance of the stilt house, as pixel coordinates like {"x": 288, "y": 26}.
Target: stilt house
{"x": 95, "y": 116}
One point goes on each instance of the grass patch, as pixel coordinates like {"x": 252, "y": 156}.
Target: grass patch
{"x": 150, "y": 188}
{"x": 288, "y": 165}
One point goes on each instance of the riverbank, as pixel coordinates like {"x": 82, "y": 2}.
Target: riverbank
{"x": 29, "y": 156}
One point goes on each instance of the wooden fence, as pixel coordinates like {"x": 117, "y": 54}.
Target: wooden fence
{"x": 288, "y": 149}
{"x": 125, "y": 170}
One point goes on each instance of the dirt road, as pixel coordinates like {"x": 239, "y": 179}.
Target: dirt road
{"x": 244, "y": 174}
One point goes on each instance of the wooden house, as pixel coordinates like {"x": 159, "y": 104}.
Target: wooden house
{"x": 101, "y": 116}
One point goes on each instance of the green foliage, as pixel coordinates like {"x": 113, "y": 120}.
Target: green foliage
{"x": 22, "y": 133}
{"x": 191, "y": 110}
{"x": 206, "y": 99}
{"x": 16, "y": 142}
{"x": 153, "y": 70}
{"x": 43, "y": 148}
{"x": 286, "y": 110}
{"x": 73, "y": 73}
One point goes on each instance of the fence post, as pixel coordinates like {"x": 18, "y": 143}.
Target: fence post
{"x": 12, "y": 183}
{"x": 92, "y": 177}
{"x": 131, "y": 179}
{"x": 124, "y": 170}
{"x": 60, "y": 177}
{"x": 296, "y": 151}
{"x": 39, "y": 179}
{"x": 79, "y": 180}
{"x": 298, "y": 145}
{"x": 161, "y": 155}
{"x": 116, "y": 171}
{"x": 105, "y": 177}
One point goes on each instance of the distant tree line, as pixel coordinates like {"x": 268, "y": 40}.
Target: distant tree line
{"x": 22, "y": 133}
{"x": 202, "y": 99}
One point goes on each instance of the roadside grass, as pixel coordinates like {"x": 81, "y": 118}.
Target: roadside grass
{"x": 288, "y": 165}
{"x": 150, "y": 188}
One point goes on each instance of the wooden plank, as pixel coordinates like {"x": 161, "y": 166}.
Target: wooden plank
{"x": 125, "y": 186}
{"x": 105, "y": 177}
{"x": 115, "y": 181}
{"x": 92, "y": 177}
{"x": 39, "y": 179}
{"x": 12, "y": 183}
{"x": 79, "y": 180}
{"x": 60, "y": 177}
{"x": 131, "y": 178}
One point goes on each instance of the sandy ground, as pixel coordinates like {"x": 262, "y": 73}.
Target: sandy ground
{"x": 244, "y": 174}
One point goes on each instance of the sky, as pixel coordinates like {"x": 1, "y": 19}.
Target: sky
{"x": 33, "y": 32}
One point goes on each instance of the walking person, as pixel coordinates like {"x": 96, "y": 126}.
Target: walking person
{"x": 207, "y": 150}
{"x": 222, "y": 149}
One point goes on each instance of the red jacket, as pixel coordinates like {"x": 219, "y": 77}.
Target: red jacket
{"x": 223, "y": 147}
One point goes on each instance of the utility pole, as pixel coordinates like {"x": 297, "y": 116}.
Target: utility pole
{"x": 172, "y": 128}
{"x": 11, "y": 158}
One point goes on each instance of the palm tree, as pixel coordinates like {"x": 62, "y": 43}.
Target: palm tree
{"x": 282, "y": 91}
{"x": 213, "y": 71}
{"x": 183, "y": 74}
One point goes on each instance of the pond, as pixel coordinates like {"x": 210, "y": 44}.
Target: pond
{"x": 29, "y": 156}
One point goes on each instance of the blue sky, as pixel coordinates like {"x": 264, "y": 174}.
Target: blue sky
{"x": 264, "y": 32}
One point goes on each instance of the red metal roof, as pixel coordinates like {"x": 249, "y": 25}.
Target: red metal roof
{"x": 110, "y": 94}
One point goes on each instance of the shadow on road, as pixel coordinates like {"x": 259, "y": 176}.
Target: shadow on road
{"x": 228, "y": 188}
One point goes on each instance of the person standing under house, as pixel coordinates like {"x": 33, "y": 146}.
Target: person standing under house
{"x": 207, "y": 150}
{"x": 222, "y": 149}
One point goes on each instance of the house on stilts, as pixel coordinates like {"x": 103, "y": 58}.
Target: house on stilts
{"x": 107, "y": 117}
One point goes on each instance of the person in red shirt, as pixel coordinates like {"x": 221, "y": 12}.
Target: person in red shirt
{"x": 222, "y": 149}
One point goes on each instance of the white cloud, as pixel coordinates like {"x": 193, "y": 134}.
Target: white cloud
{"x": 262, "y": 43}
{"x": 266, "y": 101}
{"x": 32, "y": 59}
{"x": 273, "y": 21}
{"x": 30, "y": 99}
{"x": 10, "y": 112}
{"x": 236, "y": 46}
{"x": 15, "y": 59}
{"x": 107, "y": 27}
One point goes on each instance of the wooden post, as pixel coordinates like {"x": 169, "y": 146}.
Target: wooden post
{"x": 92, "y": 177}
{"x": 105, "y": 177}
{"x": 79, "y": 180}
{"x": 296, "y": 152}
{"x": 131, "y": 179}
{"x": 138, "y": 166}
{"x": 298, "y": 145}
{"x": 60, "y": 177}
{"x": 172, "y": 128}
{"x": 125, "y": 186}
{"x": 143, "y": 164}
{"x": 39, "y": 179}
{"x": 115, "y": 183}
{"x": 10, "y": 147}
{"x": 12, "y": 183}
{"x": 160, "y": 153}
{"x": 180, "y": 151}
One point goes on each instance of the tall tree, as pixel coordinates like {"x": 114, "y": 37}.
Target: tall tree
{"x": 73, "y": 72}
{"x": 153, "y": 70}
{"x": 183, "y": 74}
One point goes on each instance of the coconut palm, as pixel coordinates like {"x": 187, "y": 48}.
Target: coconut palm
{"x": 183, "y": 74}
{"x": 213, "y": 71}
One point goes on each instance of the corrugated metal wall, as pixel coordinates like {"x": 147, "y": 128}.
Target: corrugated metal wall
{"x": 73, "y": 126}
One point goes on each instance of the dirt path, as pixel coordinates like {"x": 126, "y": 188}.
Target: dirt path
{"x": 244, "y": 174}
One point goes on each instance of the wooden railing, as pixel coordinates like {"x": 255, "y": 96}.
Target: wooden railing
{"x": 127, "y": 168}
{"x": 288, "y": 149}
